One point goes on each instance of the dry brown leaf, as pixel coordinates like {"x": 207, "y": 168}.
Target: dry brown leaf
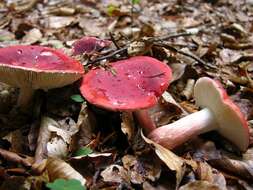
{"x": 174, "y": 162}
{"x": 6, "y": 35}
{"x": 43, "y": 138}
{"x": 164, "y": 111}
{"x": 178, "y": 71}
{"x": 57, "y": 22}
{"x": 57, "y": 168}
{"x": 115, "y": 173}
{"x": 57, "y": 148}
{"x": 206, "y": 173}
{"x": 235, "y": 167}
{"x": 127, "y": 125}
{"x": 32, "y": 36}
{"x": 167, "y": 97}
{"x": 140, "y": 170}
{"x": 86, "y": 124}
{"x": 197, "y": 185}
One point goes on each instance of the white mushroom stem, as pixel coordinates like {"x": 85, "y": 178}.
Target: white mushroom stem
{"x": 145, "y": 120}
{"x": 177, "y": 133}
{"x": 25, "y": 96}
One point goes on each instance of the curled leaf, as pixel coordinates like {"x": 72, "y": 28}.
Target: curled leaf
{"x": 174, "y": 162}
{"x": 196, "y": 185}
{"x": 60, "y": 169}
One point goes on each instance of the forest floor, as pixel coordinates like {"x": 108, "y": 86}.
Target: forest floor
{"x": 66, "y": 137}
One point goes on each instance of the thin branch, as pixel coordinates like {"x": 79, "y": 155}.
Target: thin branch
{"x": 170, "y": 36}
{"x": 113, "y": 40}
{"x": 194, "y": 57}
{"x": 14, "y": 157}
{"x": 111, "y": 55}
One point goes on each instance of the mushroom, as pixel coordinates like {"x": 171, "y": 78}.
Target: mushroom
{"x": 219, "y": 113}
{"x": 89, "y": 45}
{"x": 36, "y": 67}
{"x": 133, "y": 84}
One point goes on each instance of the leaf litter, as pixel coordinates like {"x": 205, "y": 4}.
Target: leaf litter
{"x": 195, "y": 38}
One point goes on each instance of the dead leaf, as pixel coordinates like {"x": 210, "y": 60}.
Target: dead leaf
{"x": 6, "y": 35}
{"x": 57, "y": 22}
{"x": 171, "y": 160}
{"x": 43, "y": 138}
{"x": 127, "y": 125}
{"x": 178, "y": 71}
{"x": 57, "y": 148}
{"x": 197, "y": 185}
{"x": 115, "y": 173}
{"x": 141, "y": 170}
{"x": 57, "y": 168}
{"x": 32, "y": 36}
{"x": 86, "y": 124}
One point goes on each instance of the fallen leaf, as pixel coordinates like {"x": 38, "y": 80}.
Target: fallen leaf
{"x": 141, "y": 170}
{"x": 32, "y": 36}
{"x": 127, "y": 125}
{"x": 57, "y": 22}
{"x": 57, "y": 168}
{"x": 115, "y": 173}
{"x": 197, "y": 185}
{"x": 174, "y": 162}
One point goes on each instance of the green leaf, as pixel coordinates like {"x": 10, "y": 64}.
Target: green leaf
{"x": 135, "y": 1}
{"x": 112, "y": 9}
{"x": 84, "y": 151}
{"x": 62, "y": 184}
{"x": 77, "y": 98}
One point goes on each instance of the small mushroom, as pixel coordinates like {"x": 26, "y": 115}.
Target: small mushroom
{"x": 89, "y": 45}
{"x": 133, "y": 84}
{"x": 36, "y": 67}
{"x": 219, "y": 113}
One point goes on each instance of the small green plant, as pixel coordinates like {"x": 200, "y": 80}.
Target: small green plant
{"x": 135, "y": 1}
{"x": 84, "y": 151}
{"x": 62, "y": 184}
{"x": 77, "y": 98}
{"x": 112, "y": 9}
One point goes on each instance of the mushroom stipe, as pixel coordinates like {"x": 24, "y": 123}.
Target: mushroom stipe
{"x": 36, "y": 67}
{"x": 219, "y": 113}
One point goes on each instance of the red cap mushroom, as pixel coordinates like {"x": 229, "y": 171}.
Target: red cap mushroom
{"x": 36, "y": 67}
{"x": 89, "y": 45}
{"x": 219, "y": 113}
{"x": 137, "y": 84}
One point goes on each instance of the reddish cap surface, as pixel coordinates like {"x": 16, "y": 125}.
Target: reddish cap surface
{"x": 138, "y": 83}
{"x": 37, "y": 67}
{"x": 38, "y": 58}
{"x": 232, "y": 123}
{"x": 89, "y": 45}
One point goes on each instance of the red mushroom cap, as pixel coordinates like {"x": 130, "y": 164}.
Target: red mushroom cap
{"x": 230, "y": 120}
{"x": 89, "y": 45}
{"x": 38, "y": 58}
{"x": 37, "y": 67}
{"x": 138, "y": 83}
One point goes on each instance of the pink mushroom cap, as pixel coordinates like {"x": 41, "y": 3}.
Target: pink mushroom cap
{"x": 38, "y": 67}
{"x": 89, "y": 45}
{"x": 137, "y": 83}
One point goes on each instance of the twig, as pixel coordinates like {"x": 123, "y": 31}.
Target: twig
{"x": 113, "y": 40}
{"x": 151, "y": 41}
{"x": 111, "y": 55}
{"x": 26, "y": 7}
{"x": 14, "y": 157}
{"x": 170, "y": 36}
{"x": 194, "y": 57}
